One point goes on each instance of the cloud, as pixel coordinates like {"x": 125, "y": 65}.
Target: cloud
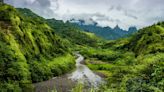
{"x": 125, "y": 13}
{"x": 44, "y": 8}
{"x": 130, "y": 15}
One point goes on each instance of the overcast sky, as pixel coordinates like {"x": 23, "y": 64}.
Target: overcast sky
{"x": 125, "y": 13}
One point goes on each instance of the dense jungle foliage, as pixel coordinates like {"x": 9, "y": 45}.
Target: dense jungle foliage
{"x": 34, "y": 49}
{"x": 134, "y": 64}
{"x": 30, "y": 51}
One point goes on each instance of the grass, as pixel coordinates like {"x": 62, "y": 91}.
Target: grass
{"x": 123, "y": 69}
{"x": 62, "y": 60}
{"x": 61, "y": 65}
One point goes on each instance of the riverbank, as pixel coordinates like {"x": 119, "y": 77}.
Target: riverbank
{"x": 67, "y": 82}
{"x": 61, "y": 84}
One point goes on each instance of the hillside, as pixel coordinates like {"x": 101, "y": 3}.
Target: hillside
{"x": 134, "y": 64}
{"x": 67, "y": 31}
{"x": 104, "y": 32}
{"x": 72, "y": 33}
{"x": 148, "y": 40}
{"x": 34, "y": 49}
{"x": 29, "y": 51}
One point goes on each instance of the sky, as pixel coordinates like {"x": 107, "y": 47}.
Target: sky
{"x": 125, "y": 13}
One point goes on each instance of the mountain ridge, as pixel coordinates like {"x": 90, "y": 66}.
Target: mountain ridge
{"x": 104, "y": 32}
{"x": 65, "y": 30}
{"x": 34, "y": 49}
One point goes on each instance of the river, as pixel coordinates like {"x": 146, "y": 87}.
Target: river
{"x": 84, "y": 75}
{"x": 65, "y": 83}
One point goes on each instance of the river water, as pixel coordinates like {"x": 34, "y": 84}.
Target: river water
{"x": 66, "y": 82}
{"x": 84, "y": 75}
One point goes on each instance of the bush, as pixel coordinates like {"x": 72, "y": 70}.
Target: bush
{"x": 10, "y": 87}
{"x": 40, "y": 72}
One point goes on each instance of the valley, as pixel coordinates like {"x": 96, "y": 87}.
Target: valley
{"x": 38, "y": 55}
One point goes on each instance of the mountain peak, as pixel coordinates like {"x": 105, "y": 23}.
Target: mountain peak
{"x": 132, "y": 29}
{"x": 104, "y": 32}
{"x": 117, "y": 27}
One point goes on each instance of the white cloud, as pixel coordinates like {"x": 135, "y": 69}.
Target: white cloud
{"x": 125, "y": 13}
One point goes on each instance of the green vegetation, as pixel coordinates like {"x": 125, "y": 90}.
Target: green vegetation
{"x": 72, "y": 33}
{"x": 80, "y": 88}
{"x": 134, "y": 64}
{"x": 34, "y": 49}
{"x": 30, "y": 51}
{"x": 49, "y": 68}
{"x": 148, "y": 40}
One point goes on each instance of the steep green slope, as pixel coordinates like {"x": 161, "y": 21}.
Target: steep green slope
{"x": 28, "y": 47}
{"x": 148, "y": 40}
{"x": 72, "y": 33}
{"x": 65, "y": 30}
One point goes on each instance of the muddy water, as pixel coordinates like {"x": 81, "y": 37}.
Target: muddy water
{"x": 84, "y": 75}
{"x": 66, "y": 82}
